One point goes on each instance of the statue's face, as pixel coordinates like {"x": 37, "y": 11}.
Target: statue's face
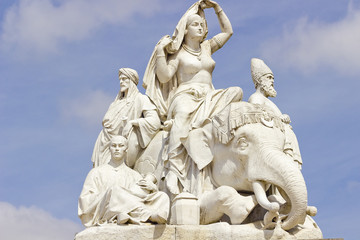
{"x": 118, "y": 148}
{"x": 195, "y": 26}
{"x": 124, "y": 83}
{"x": 267, "y": 85}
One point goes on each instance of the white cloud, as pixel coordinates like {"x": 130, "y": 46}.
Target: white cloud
{"x": 40, "y": 25}
{"x": 88, "y": 109}
{"x": 32, "y": 223}
{"x": 310, "y": 46}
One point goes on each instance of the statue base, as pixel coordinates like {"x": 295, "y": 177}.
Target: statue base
{"x": 219, "y": 231}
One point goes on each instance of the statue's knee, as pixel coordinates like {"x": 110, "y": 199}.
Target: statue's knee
{"x": 225, "y": 193}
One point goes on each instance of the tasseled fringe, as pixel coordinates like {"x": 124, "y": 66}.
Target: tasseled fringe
{"x": 238, "y": 115}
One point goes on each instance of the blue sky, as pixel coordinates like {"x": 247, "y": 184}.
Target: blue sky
{"x": 58, "y": 74}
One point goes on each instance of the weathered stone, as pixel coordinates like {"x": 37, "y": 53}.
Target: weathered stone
{"x": 220, "y": 231}
{"x": 127, "y": 232}
{"x": 185, "y": 210}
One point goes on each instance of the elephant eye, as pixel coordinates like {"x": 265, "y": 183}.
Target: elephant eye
{"x": 242, "y": 142}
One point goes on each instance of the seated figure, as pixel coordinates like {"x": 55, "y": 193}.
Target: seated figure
{"x": 115, "y": 193}
{"x": 178, "y": 80}
{"x": 264, "y": 84}
{"x": 131, "y": 115}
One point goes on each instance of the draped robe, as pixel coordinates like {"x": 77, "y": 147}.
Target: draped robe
{"x": 116, "y": 122}
{"x": 110, "y": 193}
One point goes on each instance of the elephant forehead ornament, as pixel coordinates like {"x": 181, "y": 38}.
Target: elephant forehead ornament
{"x": 240, "y": 114}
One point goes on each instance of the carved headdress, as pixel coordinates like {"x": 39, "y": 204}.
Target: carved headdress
{"x": 258, "y": 69}
{"x": 133, "y": 90}
{"x": 131, "y": 74}
{"x": 161, "y": 93}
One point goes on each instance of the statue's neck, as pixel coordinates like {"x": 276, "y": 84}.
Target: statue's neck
{"x": 193, "y": 44}
{"x": 124, "y": 94}
{"x": 117, "y": 163}
{"x": 261, "y": 92}
{"x": 129, "y": 93}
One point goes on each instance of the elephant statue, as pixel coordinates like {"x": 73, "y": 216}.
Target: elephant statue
{"x": 243, "y": 156}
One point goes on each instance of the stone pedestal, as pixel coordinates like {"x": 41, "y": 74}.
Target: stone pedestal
{"x": 185, "y": 210}
{"x": 217, "y": 231}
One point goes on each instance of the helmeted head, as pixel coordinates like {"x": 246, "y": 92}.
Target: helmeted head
{"x": 118, "y": 147}
{"x": 262, "y": 77}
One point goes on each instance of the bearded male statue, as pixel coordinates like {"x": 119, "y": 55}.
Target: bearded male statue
{"x": 131, "y": 115}
{"x": 263, "y": 79}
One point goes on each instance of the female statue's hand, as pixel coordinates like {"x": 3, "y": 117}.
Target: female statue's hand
{"x": 208, "y": 4}
{"x": 164, "y": 42}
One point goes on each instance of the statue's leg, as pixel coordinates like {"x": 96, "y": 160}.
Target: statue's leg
{"x": 225, "y": 200}
{"x": 181, "y": 111}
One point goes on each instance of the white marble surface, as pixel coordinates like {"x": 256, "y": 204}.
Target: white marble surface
{"x": 217, "y": 231}
{"x": 213, "y": 155}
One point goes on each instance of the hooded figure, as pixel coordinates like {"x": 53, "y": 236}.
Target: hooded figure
{"x": 131, "y": 115}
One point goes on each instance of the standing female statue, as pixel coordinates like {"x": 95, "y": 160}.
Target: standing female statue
{"x": 178, "y": 79}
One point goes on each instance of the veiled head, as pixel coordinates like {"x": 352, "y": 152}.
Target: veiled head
{"x": 195, "y": 27}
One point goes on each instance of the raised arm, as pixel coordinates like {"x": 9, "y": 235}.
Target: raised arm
{"x": 226, "y": 29}
{"x": 165, "y": 69}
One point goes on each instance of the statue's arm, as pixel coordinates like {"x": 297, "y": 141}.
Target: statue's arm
{"x": 226, "y": 29}
{"x": 149, "y": 125}
{"x": 256, "y": 99}
{"x": 165, "y": 69}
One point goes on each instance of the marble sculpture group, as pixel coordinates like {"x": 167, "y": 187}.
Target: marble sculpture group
{"x": 186, "y": 153}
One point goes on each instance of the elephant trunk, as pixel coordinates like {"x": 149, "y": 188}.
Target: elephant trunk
{"x": 279, "y": 169}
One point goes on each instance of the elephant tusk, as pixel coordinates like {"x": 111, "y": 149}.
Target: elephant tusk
{"x": 260, "y": 193}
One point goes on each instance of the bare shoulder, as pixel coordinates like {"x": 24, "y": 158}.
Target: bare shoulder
{"x": 257, "y": 98}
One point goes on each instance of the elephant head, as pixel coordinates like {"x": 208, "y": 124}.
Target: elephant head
{"x": 246, "y": 146}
